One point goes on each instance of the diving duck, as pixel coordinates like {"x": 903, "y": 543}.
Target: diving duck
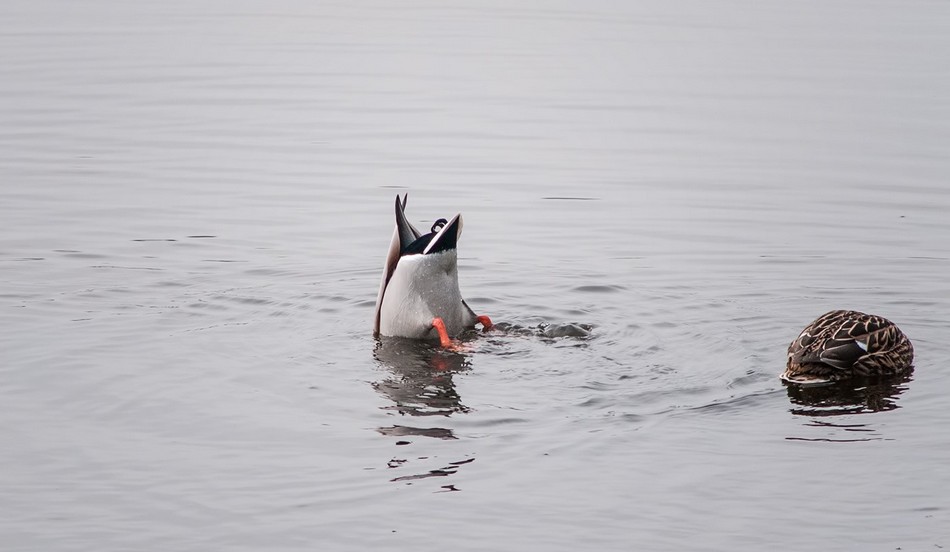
{"x": 845, "y": 343}
{"x": 419, "y": 293}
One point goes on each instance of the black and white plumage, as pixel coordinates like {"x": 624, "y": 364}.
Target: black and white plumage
{"x": 419, "y": 288}
{"x": 843, "y": 343}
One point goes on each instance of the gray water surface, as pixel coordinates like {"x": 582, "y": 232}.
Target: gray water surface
{"x": 196, "y": 202}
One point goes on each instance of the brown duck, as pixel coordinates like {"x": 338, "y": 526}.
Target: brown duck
{"x": 841, "y": 344}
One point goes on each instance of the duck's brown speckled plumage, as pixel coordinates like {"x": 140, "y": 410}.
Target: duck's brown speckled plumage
{"x": 843, "y": 343}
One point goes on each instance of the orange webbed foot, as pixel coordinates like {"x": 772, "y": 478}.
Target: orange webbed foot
{"x": 445, "y": 341}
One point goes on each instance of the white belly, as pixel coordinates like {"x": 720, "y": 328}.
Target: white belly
{"x": 422, "y": 288}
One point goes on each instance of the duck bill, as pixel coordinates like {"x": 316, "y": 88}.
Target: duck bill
{"x": 447, "y": 237}
{"x": 805, "y": 380}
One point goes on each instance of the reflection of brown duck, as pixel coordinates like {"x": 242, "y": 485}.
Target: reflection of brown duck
{"x": 855, "y": 396}
{"x": 842, "y": 344}
{"x": 420, "y": 383}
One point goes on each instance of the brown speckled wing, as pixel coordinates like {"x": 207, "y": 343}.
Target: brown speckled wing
{"x": 844, "y": 342}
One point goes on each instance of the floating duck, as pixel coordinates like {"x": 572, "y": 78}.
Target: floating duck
{"x": 845, "y": 343}
{"x": 419, "y": 294}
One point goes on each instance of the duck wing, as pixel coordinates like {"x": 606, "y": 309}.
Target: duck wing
{"x": 404, "y": 234}
{"x": 840, "y": 339}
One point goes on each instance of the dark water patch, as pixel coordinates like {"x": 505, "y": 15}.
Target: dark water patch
{"x": 492, "y": 422}
{"x": 570, "y": 198}
{"x": 245, "y": 300}
{"x": 629, "y": 417}
{"x": 119, "y": 290}
{"x": 444, "y": 469}
{"x": 155, "y": 240}
{"x": 201, "y": 237}
{"x": 79, "y": 255}
{"x": 598, "y": 386}
{"x": 593, "y": 402}
{"x": 841, "y": 432}
{"x": 170, "y": 284}
{"x": 599, "y": 288}
{"x": 835, "y": 440}
{"x": 269, "y": 272}
{"x": 207, "y": 305}
{"x": 431, "y": 473}
{"x": 403, "y": 431}
{"x": 222, "y": 261}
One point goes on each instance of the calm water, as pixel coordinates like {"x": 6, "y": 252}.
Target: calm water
{"x": 196, "y": 199}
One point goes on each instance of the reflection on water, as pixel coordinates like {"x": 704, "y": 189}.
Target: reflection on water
{"x": 857, "y": 396}
{"x": 420, "y": 381}
{"x": 842, "y": 432}
{"x": 826, "y": 404}
{"x": 420, "y": 384}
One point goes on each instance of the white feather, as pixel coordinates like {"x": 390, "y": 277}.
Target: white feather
{"x": 421, "y": 288}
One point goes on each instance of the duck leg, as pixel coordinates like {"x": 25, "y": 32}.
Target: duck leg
{"x": 444, "y": 339}
{"x": 448, "y": 343}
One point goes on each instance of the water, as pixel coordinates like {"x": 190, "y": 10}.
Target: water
{"x": 197, "y": 198}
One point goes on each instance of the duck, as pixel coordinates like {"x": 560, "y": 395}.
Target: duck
{"x": 419, "y": 295}
{"x": 842, "y": 344}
